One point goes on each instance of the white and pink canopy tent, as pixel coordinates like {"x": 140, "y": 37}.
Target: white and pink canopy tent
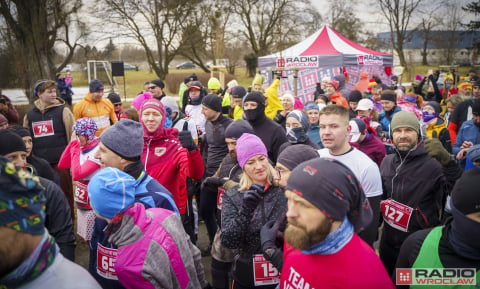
{"x": 325, "y": 53}
{"x": 325, "y": 48}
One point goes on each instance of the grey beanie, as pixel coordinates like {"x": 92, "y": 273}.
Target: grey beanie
{"x": 405, "y": 119}
{"x": 125, "y": 138}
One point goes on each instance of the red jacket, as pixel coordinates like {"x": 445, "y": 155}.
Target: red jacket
{"x": 167, "y": 162}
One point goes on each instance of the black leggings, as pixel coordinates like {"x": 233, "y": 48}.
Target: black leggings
{"x": 207, "y": 210}
{"x": 220, "y": 274}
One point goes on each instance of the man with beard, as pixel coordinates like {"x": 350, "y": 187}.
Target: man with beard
{"x": 416, "y": 179}
{"x": 270, "y": 132}
{"x": 226, "y": 177}
{"x": 326, "y": 206}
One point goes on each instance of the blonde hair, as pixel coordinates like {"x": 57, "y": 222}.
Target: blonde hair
{"x": 246, "y": 182}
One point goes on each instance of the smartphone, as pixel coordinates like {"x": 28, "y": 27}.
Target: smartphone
{"x": 430, "y": 71}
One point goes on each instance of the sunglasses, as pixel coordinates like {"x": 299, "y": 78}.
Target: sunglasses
{"x": 152, "y": 87}
{"x": 117, "y": 104}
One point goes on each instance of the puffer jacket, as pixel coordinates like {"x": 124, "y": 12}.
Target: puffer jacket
{"x": 149, "y": 240}
{"x": 242, "y": 232}
{"x": 418, "y": 181}
{"x": 439, "y": 130}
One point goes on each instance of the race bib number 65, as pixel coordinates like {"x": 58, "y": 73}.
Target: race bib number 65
{"x": 106, "y": 258}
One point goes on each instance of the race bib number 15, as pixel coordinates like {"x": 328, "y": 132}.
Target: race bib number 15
{"x": 264, "y": 272}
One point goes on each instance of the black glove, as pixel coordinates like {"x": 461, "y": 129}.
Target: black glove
{"x": 252, "y": 197}
{"x": 185, "y": 138}
{"x": 268, "y": 235}
{"x": 212, "y": 183}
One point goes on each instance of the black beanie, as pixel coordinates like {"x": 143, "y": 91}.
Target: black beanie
{"x": 389, "y": 95}
{"x": 213, "y": 102}
{"x": 333, "y": 189}
{"x": 355, "y": 96}
{"x": 158, "y": 83}
{"x": 20, "y": 130}
{"x": 293, "y": 155}
{"x": 237, "y": 128}
{"x": 476, "y": 107}
{"x": 114, "y": 97}
{"x": 256, "y": 96}
{"x": 465, "y": 196}
{"x": 11, "y": 142}
{"x": 238, "y": 92}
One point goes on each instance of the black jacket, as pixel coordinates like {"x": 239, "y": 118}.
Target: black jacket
{"x": 43, "y": 168}
{"x": 272, "y": 135}
{"x": 418, "y": 181}
{"x": 58, "y": 219}
{"x": 215, "y": 138}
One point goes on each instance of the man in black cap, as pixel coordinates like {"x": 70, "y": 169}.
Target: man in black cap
{"x": 215, "y": 126}
{"x": 236, "y": 100}
{"x": 416, "y": 179}
{"x": 353, "y": 98}
{"x": 30, "y": 257}
{"x": 156, "y": 88}
{"x": 226, "y": 177}
{"x": 193, "y": 106}
{"x": 57, "y": 209}
{"x": 270, "y": 132}
{"x": 117, "y": 103}
{"x": 455, "y": 244}
{"x": 326, "y": 207}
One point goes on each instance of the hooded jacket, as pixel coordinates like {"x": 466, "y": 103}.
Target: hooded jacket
{"x": 273, "y": 102}
{"x": 153, "y": 252}
{"x": 102, "y": 112}
{"x": 362, "y": 84}
{"x": 167, "y": 162}
{"x": 438, "y": 129}
{"x": 51, "y": 145}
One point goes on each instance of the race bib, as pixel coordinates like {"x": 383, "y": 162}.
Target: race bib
{"x": 43, "y": 128}
{"x": 264, "y": 272}
{"x": 81, "y": 195}
{"x": 386, "y": 140}
{"x": 221, "y": 191}
{"x": 102, "y": 121}
{"x": 106, "y": 258}
{"x": 396, "y": 214}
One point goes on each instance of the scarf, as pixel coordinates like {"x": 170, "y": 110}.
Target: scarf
{"x": 464, "y": 235}
{"x": 39, "y": 260}
{"x": 334, "y": 241}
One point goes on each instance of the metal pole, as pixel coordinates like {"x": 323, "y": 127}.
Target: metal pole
{"x": 124, "y": 88}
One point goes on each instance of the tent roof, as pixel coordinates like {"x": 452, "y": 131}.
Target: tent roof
{"x": 325, "y": 41}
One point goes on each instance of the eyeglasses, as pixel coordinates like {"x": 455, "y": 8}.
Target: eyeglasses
{"x": 152, "y": 87}
{"x": 279, "y": 172}
{"x": 117, "y": 104}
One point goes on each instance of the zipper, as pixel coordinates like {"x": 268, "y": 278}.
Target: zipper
{"x": 146, "y": 157}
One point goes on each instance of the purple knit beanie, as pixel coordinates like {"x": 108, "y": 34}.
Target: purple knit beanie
{"x": 249, "y": 145}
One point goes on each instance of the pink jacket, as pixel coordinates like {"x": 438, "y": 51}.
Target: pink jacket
{"x": 153, "y": 252}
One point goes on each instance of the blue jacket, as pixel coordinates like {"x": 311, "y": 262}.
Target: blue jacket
{"x": 151, "y": 194}
{"x": 385, "y": 120}
{"x": 314, "y": 134}
{"x": 468, "y": 132}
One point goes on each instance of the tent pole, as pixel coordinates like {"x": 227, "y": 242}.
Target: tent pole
{"x": 295, "y": 86}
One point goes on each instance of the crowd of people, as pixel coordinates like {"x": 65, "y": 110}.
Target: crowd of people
{"x": 337, "y": 192}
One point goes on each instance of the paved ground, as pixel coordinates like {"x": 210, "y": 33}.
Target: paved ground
{"x": 82, "y": 249}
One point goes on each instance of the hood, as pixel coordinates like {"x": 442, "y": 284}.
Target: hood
{"x": 42, "y": 107}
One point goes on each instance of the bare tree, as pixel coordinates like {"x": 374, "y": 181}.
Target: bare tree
{"x": 155, "y": 25}
{"x": 398, "y": 14}
{"x": 36, "y": 27}
{"x": 474, "y": 8}
{"x": 341, "y": 17}
{"x": 451, "y": 23}
{"x": 271, "y": 25}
